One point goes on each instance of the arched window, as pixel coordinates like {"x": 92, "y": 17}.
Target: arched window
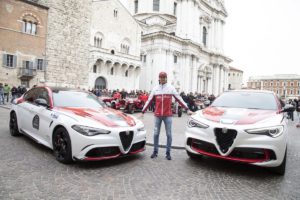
{"x": 112, "y": 71}
{"x": 125, "y": 46}
{"x": 29, "y": 24}
{"x": 126, "y": 73}
{"x": 204, "y": 36}
{"x": 98, "y": 38}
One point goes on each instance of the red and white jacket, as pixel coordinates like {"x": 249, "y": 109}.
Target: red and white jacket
{"x": 163, "y": 100}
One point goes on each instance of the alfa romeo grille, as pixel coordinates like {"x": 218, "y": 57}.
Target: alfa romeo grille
{"x": 225, "y": 138}
{"x": 126, "y": 139}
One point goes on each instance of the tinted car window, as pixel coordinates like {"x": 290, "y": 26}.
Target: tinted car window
{"x": 249, "y": 100}
{"x": 31, "y": 95}
{"x": 42, "y": 93}
{"x": 76, "y": 99}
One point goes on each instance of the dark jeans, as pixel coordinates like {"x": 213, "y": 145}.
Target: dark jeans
{"x": 7, "y": 96}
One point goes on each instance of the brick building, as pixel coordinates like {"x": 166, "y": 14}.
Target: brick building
{"x": 285, "y": 85}
{"x": 23, "y": 29}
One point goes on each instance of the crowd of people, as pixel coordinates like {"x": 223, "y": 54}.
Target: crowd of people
{"x": 8, "y": 94}
{"x": 194, "y": 101}
{"x": 296, "y": 104}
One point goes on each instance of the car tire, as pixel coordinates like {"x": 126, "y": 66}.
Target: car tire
{"x": 62, "y": 146}
{"x": 193, "y": 156}
{"x": 13, "y": 125}
{"x": 280, "y": 170}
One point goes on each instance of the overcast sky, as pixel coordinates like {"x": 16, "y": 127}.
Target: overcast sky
{"x": 262, "y": 37}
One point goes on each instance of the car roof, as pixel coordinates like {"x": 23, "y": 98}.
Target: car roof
{"x": 252, "y": 91}
{"x": 57, "y": 89}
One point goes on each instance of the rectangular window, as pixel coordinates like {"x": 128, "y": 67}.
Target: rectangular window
{"x": 40, "y": 64}
{"x": 155, "y": 5}
{"x": 175, "y": 59}
{"x": 136, "y": 6}
{"x": 145, "y": 58}
{"x": 175, "y": 8}
{"x": 10, "y": 60}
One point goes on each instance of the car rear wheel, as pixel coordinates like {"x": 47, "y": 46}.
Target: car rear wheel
{"x": 193, "y": 156}
{"x": 280, "y": 170}
{"x": 62, "y": 146}
{"x": 13, "y": 125}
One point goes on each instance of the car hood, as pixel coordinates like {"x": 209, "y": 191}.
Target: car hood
{"x": 239, "y": 116}
{"x": 106, "y": 116}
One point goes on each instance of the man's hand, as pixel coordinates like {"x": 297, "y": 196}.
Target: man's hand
{"x": 189, "y": 112}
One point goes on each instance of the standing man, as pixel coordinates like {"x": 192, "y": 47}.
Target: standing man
{"x": 6, "y": 92}
{"x": 297, "y": 102}
{"x": 162, "y": 94}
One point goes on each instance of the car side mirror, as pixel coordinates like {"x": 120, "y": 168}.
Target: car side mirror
{"x": 41, "y": 102}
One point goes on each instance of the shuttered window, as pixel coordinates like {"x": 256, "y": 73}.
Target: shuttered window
{"x": 9, "y": 60}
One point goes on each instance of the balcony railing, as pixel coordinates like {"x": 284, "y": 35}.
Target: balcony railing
{"x": 26, "y": 73}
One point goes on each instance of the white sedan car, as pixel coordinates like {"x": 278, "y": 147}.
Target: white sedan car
{"x": 245, "y": 126}
{"x": 76, "y": 125}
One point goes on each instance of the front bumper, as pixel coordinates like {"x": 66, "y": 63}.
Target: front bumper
{"x": 108, "y": 146}
{"x": 253, "y": 149}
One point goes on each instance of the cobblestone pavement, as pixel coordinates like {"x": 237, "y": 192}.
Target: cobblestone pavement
{"x": 30, "y": 171}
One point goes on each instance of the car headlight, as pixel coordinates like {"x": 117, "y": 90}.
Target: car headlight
{"x": 193, "y": 123}
{"x": 273, "y": 131}
{"x": 89, "y": 131}
{"x": 141, "y": 129}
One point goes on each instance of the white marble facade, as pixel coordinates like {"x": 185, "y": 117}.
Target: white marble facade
{"x": 115, "y": 43}
{"x": 185, "y": 39}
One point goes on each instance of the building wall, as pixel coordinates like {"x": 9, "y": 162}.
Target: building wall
{"x": 122, "y": 29}
{"x": 283, "y": 85}
{"x": 235, "y": 79}
{"x": 68, "y": 39}
{"x": 200, "y": 67}
{"x": 25, "y": 46}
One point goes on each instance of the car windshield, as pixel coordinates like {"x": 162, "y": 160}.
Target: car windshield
{"x": 76, "y": 99}
{"x": 249, "y": 100}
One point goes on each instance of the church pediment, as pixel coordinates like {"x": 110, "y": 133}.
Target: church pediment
{"x": 157, "y": 20}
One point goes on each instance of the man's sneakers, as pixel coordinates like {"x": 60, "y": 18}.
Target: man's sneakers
{"x": 154, "y": 155}
{"x": 168, "y": 156}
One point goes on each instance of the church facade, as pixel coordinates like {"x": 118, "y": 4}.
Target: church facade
{"x": 185, "y": 39}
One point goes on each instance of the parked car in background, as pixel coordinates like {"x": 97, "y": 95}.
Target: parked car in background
{"x": 76, "y": 125}
{"x": 128, "y": 105}
{"x": 245, "y": 125}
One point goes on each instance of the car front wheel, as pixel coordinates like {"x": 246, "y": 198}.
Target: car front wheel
{"x": 280, "y": 170}
{"x": 13, "y": 125}
{"x": 62, "y": 146}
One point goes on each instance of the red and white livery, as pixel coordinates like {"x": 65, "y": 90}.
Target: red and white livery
{"x": 245, "y": 126}
{"x": 76, "y": 125}
{"x": 162, "y": 94}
